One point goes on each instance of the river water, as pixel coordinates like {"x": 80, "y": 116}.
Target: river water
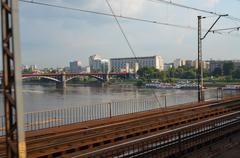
{"x": 47, "y": 97}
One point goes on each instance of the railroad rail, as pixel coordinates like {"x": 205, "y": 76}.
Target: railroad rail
{"x": 172, "y": 143}
{"x": 109, "y": 133}
{"x": 86, "y": 140}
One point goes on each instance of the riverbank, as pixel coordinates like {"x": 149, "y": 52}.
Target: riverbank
{"x": 126, "y": 83}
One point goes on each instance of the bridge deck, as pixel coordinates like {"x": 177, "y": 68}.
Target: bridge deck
{"x": 94, "y": 135}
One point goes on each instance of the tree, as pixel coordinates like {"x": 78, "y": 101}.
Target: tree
{"x": 217, "y": 72}
{"x": 190, "y": 74}
{"x": 140, "y": 83}
{"x": 228, "y": 68}
{"x": 148, "y": 72}
{"x": 163, "y": 75}
{"x": 171, "y": 72}
{"x": 236, "y": 74}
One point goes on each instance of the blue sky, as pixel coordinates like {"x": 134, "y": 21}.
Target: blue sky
{"x": 52, "y": 37}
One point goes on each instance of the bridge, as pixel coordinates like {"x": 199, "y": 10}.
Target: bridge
{"x": 61, "y": 79}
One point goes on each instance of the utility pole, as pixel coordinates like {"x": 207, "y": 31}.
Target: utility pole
{"x": 12, "y": 80}
{"x": 200, "y": 61}
{"x": 200, "y": 78}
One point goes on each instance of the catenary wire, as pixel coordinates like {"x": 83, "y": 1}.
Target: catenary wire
{"x": 128, "y": 42}
{"x": 196, "y": 9}
{"x": 110, "y": 15}
{"x": 107, "y": 14}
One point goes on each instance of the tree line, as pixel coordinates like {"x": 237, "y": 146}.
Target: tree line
{"x": 227, "y": 71}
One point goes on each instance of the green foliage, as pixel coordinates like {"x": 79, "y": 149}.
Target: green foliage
{"x": 217, "y": 72}
{"x": 139, "y": 83}
{"x": 236, "y": 74}
{"x": 228, "y": 68}
{"x": 148, "y": 72}
{"x": 227, "y": 73}
{"x": 182, "y": 72}
{"x": 26, "y": 71}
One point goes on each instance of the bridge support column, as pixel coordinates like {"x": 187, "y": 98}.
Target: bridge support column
{"x": 63, "y": 83}
{"x": 107, "y": 78}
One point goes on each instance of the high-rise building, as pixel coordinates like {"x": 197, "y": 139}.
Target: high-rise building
{"x": 206, "y": 64}
{"x": 178, "y": 62}
{"x": 213, "y": 64}
{"x": 168, "y": 66}
{"x": 75, "y": 66}
{"x": 97, "y": 64}
{"x": 189, "y": 63}
{"x": 133, "y": 64}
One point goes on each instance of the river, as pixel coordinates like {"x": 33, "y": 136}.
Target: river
{"x": 47, "y": 97}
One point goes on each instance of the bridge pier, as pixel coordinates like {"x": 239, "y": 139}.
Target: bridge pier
{"x": 106, "y": 78}
{"x": 63, "y": 83}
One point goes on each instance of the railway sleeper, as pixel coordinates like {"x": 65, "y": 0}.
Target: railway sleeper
{"x": 95, "y": 145}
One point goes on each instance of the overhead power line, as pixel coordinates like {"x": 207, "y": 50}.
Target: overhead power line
{"x": 121, "y": 29}
{"x": 110, "y": 15}
{"x": 128, "y": 42}
{"x": 226, "y": 30}
{"x": 196, "y": 9}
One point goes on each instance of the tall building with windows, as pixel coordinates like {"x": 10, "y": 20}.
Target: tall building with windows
{"x": 213, "y": 64}
{"x": 75, "y": 66}
{"x": 133, "y": 64}
{"x": 97, "y": 64}
{"x": 178, "y": 62}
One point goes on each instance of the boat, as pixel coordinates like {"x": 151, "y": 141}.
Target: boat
{"x": 188, "y": 86}
{"x": 231, "y": 87}
{"x": 160, "y": 85}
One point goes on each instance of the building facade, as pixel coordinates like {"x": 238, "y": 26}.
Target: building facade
{"x": 132, "y": 65}
{"x": 178, "y": 62}
{"x": 168, "y": 66}
{"x": 213, "y": 64}
{"x": 75, "y": 66}
{"x": 97, "y": 64}
{"x": 189, "y": 63}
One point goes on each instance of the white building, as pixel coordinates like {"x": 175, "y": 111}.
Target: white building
{"x": 33, "y": 67}
{"x": 75, "y": 66}
{"x": 133, "y": 64}
{"x": 97, "y": 64}
{"x": 178, "y": 62}
{"x": 167, "y": 66}
{"x": 25, "y": 67}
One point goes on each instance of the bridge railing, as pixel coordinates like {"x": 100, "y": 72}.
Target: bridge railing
{"x": 75, "y": 114}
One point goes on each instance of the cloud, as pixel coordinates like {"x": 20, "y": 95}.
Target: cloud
{"x": 122, "y": 7}
{"x": 211, "y": 3}
{"x": 180, "y": 39}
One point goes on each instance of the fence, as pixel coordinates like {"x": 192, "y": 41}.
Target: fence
{"x": 74, "y": 114}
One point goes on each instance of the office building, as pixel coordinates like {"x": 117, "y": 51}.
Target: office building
{"x": 132, "y": 65}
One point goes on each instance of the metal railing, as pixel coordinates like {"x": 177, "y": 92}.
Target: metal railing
{"x": 75, "y": 114}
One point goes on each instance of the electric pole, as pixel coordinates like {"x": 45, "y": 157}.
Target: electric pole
{"x": 200, "y": 61}
{"x": 200, "y": 78}
{"x": 12, "y": 80}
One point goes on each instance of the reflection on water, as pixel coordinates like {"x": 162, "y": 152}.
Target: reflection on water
{"x": 40, "y": 98}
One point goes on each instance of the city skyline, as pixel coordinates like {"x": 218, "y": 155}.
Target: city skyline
{"x": 57, "y": 36}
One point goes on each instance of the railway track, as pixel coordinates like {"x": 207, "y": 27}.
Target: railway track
{"x": 105, "y": 134}
{"x": 171, "y": 143}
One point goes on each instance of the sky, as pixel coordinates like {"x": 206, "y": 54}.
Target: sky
{"x": 52, "y": 37}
